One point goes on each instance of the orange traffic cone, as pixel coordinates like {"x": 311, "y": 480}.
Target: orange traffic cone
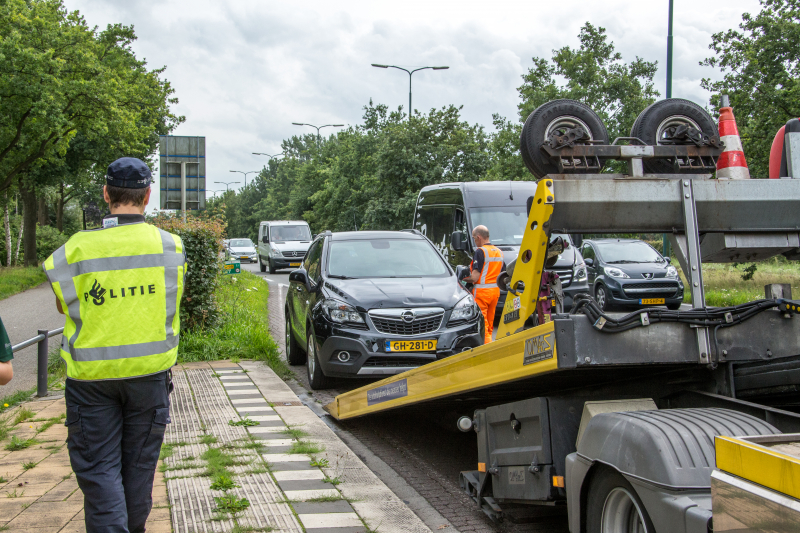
{"x": 731, "y": 164}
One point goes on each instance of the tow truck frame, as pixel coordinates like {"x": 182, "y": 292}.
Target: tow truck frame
{"x": 564, "y": 404}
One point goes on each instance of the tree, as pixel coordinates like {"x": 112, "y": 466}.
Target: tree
{"x": 593, "y": 74}
{"x": 58, "y": 77}
{"x": 762, "y": 76}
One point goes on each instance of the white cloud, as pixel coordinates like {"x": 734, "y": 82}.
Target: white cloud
{"x": 245, "y": 70}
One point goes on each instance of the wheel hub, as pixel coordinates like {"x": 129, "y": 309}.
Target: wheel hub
{"x": 312, "y": 360}
{"x": 621, "y": 513}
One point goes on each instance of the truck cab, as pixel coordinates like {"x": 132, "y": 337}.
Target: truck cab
{"x": 446, "y": 208}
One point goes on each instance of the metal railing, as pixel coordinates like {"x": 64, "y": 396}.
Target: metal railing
{"x": 42, "y": 339}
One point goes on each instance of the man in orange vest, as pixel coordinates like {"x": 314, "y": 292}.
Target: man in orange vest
{"x": 486, "y": 266}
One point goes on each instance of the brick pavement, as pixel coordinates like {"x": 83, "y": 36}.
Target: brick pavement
{"x": 38, "y": 491}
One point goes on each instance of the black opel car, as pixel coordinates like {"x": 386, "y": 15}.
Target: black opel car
{"x": 630, "y": 273}
{"x": 376, "y": 303}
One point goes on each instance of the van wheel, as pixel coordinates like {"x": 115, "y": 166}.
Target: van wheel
{"x": 271, "y": 266}
{"x": 294, "y": 354}
{"x": 614, "y": 507}
{"x": 316, "y": 378}
{"x": 261, "y": 266}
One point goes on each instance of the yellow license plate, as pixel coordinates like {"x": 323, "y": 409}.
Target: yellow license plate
{"x": 294, "y": 264}
{"x": 652, "y": 301}
{"x": 411, "y": 346}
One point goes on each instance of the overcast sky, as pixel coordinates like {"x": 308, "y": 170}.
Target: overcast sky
{"x": 245, "y": 70}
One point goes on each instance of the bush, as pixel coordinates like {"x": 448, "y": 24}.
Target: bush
{"x": 202, "y": 240}
{"x": 48, "y": 240}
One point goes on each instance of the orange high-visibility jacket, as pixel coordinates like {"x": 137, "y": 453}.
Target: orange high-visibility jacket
{"x": 492, "y": 266}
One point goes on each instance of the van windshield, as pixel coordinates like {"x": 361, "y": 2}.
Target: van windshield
{"x": 290, "y": 233}
{"x": 506, "y": 224}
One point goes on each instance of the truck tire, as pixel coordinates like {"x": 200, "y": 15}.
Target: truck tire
{"x": 550, "y": 117}
{"x": 612, "y": 506}
{"x": 651, "y": 123}
{"x": 261, "y": 266}
{"x": 316, "y": 378}
{"x": 272, "y": 268}
{"x": 294, "y": 353}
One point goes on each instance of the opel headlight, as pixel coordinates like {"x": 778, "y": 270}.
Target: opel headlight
{"x": 672, "y": 272}
{"x": 615, "y": 272}
{"x": 341, "y": 312}
{"x": 580, "y": 272}
{"x": 464, "y": 310}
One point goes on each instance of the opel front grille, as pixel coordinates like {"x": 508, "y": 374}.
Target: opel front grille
{"x": 400, "y": 321}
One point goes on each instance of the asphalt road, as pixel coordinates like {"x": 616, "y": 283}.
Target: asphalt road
{"x": 425, "y": 455}
{"x": 23, "y": 314}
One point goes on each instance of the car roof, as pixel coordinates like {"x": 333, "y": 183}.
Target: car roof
{"x": 286, "y": 222}
{"x": 358, "y": 235}
{"x": 613, "y": 240}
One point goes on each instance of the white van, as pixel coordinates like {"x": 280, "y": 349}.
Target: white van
{"x": 282, "y": 244}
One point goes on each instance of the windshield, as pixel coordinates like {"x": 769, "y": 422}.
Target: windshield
{"x": 628, "y": 252}
{"x": 385, "y": 258}
{"x": 290, "y": 233}
{"x": 241, "y": 243}
{"x": 506, "y": 224}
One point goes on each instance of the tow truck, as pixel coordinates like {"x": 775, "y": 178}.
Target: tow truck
{"x": 652, "y": 421}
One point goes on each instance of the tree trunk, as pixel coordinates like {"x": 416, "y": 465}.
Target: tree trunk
{"x": 43, "y": 219}
{"x": 29, "y": 205}
{"x": 60, "y": 208}
{"x": 19, "y": 241}
{"x": 8, "y": 232}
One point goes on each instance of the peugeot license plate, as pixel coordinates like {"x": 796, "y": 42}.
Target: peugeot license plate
{"x": 652, "y": 301}
{"x": 411, "y": 346}
{"x": 294, "y": 264}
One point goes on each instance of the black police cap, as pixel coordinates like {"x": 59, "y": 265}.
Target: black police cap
{"x": 128, "y": 173}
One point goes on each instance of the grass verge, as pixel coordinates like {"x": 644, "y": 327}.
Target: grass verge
{"x": 17, "y": 279}
{"x": 243, "y": 330}
{"x": 724, "y": 285}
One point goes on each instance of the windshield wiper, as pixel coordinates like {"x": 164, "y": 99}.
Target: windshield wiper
{"x": 336, "y": 276}
{"x": 623, "y": 261}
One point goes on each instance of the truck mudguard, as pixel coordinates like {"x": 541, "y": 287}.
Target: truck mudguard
{"x": 665, "y": 454}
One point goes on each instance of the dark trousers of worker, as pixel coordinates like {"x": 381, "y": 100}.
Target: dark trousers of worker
{"x": 115, "y": 431}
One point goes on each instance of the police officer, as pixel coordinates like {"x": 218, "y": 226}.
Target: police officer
{"x": 120, "y": 287}
{"x": 487, "y": 264}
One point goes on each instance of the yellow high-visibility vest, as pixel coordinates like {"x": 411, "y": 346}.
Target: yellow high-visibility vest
{"x": 120, "y": 289}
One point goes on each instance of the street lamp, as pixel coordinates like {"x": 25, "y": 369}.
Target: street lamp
{"x": 214, "y": 193}
{"x": 318, "y": 127}
{"x": 245, "y": 174}
{"x": 227, "y": 184}
{"x": 410, "y": 72}
{"x": 268, "y": 155}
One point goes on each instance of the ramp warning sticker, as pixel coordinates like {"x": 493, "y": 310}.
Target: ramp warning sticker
{"x": 539, "y": 348}
{"x": 384, "y": 393}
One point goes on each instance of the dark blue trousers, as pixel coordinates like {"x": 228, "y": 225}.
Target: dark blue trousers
{"x": 115, "y": 431}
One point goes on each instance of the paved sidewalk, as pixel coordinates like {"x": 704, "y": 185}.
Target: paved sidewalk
{"x": 38, "y": 491}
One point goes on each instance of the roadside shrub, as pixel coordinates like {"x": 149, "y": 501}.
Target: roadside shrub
{"x": 48, "y": 240}
{"x": 202, "y": 239}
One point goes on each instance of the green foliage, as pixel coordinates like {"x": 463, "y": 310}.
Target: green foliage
{"x": 23, "y": 415}
{"x": 27, "y": 465}
{"x": 208, "y": 439}
{"x": 242, "y": 329}
{"x": 167, "y": 450}
{"x": 243, "y": 422}
{"x": 231, "y": 504}
{"x": 48, "y": 240}
{"x": 306, "y": 448}
{"x": 202, "y": 242}
{"x": 295, "y": 432}
{"x": 321, "y": 463}
{"x": 365, "y": 177}
{"x": 761, "y": 66}
{"x": 17, "y": 443}
{"x": 223, "y": 482}
{"x": 17, "y": 279}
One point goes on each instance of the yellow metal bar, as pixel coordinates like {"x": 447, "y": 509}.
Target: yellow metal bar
{"x": 530, "y": 263}
{"x": 529, "y": 353}
{"x": 759, "y": 464}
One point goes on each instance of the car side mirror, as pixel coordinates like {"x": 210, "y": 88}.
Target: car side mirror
{"x": 265, "y": 239}
{"x": 299, "y": 276}
{"x": 589, "y": 262}
{"x": 458, "y": 241}
{"x": 462, "y": 272}
{"x": 668, "y": 259}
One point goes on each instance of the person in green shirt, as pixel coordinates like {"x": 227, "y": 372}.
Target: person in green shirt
{"x": 6, "y": 355}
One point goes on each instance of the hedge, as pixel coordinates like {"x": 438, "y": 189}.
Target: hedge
{"x": 202, "y": 240}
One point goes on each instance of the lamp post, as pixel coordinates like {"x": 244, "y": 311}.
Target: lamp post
{"x": 318, "y": 127}
{"x": 245, "y": 174}
{"x": 410, "y": 72}
{"x": 227, "y": 184}
{"x": 268, "y": 155}
{"x": 214, "y": 193}
{"x": 665, "y": 247}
